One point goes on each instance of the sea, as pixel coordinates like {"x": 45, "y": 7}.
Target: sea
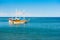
{"x": 37, "y": 28}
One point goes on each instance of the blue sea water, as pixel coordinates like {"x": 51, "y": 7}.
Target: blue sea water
{"x": 38, "y": 28}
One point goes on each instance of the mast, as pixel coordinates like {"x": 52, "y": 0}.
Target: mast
{"x": 23, "y": 15}
{"x": 16, "y": 14}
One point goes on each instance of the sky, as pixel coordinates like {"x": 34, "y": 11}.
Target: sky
{"x": 30, "y": 8}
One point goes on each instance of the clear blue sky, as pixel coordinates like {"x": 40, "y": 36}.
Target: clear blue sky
{"x": 33, "y": 8}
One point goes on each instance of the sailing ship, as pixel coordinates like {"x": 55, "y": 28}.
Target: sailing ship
{"x": 16, "y": 20}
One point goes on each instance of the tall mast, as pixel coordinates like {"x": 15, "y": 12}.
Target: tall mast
{"x": 16, "y": 14}
{"x": 23, "y": 15}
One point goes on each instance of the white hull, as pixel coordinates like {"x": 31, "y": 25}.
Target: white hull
{"x": 10, "y": 22}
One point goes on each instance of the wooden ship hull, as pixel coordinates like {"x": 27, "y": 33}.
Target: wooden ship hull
{"x": 17, "y": 21}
